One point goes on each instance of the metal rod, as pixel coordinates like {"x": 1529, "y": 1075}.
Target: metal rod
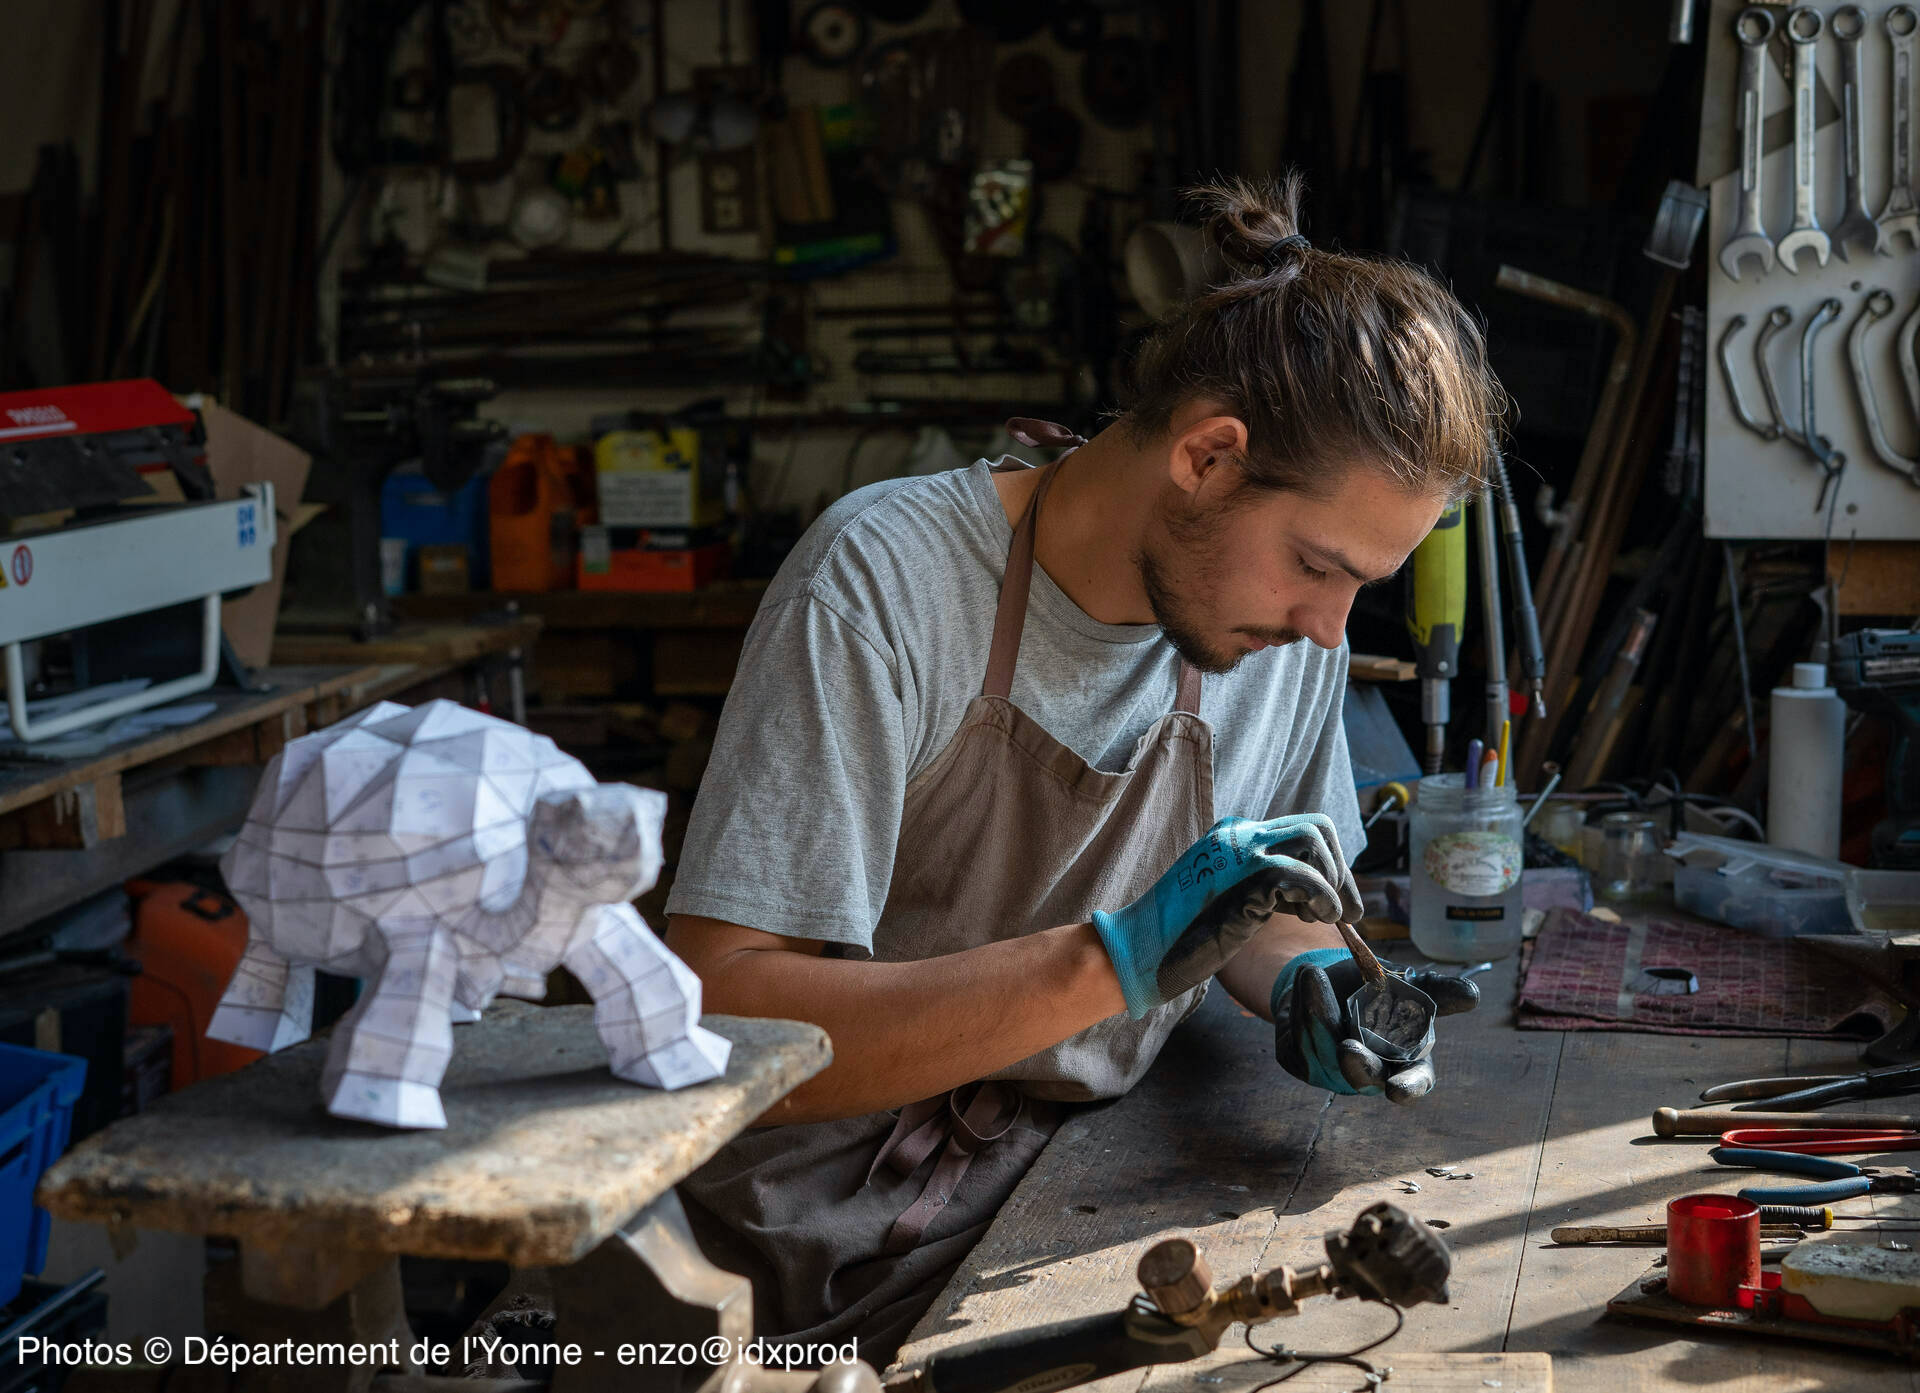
{"x": 1487, "y": 540}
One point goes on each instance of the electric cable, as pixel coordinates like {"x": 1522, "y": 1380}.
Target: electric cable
{"x": 1305, "y": 1359}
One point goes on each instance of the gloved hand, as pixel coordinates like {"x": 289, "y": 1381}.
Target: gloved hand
{"x": 1315, "y": 1038}
{"x": 1216, "y": 897}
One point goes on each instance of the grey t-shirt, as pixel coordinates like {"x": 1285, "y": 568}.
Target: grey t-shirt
{"x": 867, "y": 649}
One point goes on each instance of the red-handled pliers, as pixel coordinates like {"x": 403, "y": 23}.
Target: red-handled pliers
{"x": 1830, "y": 1141}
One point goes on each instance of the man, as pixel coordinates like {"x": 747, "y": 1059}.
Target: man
{"x": 1017, "y": 761}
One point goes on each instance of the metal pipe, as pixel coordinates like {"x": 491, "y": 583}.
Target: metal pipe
{"x": 1487, "y": 545}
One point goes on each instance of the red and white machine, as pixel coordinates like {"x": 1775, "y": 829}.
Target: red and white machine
{"x": 93, "y": 449}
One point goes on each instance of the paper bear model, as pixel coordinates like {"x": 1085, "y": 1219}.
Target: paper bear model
{"x": 445, "y": 855}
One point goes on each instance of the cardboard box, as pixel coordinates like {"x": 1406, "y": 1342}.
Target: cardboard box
{"x": 444, "y": 570}
{"x": 239, "y": 453}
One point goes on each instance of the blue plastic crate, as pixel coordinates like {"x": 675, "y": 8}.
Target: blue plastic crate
{"x": 37, "y": 1094}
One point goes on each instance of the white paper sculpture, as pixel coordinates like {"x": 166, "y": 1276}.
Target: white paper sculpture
{"x": 444, "y": 856}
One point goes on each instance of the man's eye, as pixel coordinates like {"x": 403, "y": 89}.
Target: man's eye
{"x": 1316, "y": 575}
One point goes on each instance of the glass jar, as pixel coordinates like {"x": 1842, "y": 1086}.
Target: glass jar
{"x": 1629, "y": 858}
{"x": 1464, "y": 870}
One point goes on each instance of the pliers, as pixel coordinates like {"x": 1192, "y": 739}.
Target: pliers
{"x": 1814, "y": 1090}
{"x": 1843, "y": 1179}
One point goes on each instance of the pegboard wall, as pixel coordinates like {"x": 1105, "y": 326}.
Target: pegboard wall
{"x": 1761, "y": 487}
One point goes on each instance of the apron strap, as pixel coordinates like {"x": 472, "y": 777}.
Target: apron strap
{"x": 966, "y": 1120}
{"x": 1010, "y": 617}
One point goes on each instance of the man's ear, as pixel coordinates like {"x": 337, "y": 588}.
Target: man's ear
{"x": 1201, "y": 448}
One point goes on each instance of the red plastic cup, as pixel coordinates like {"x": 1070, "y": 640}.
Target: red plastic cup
{"x": 1713, "y": 1249}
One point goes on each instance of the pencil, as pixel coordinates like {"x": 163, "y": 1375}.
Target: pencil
{"x": 1489, "y": 766}
{"x": 1506, "y": 733}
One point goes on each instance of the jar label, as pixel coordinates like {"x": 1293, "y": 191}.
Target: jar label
{"x": 1473, "y": 863}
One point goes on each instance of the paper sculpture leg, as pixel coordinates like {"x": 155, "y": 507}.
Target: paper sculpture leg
{"x": 267, "y": 1005}
{"x": 646, "y": 1002}
{"x": 390, "y": 1051}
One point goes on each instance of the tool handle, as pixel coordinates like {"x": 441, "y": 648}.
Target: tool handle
{"x": 1817, "y": 1095}
{"x": 1800, "y": 1216}
{"x": 1711, "y": 1122}
{"x": 1647, "y": 1233}
{"x": 1848, "y": 1141}
{"x": 1370, "y": 969}
{"x": 1766, "y": 1088}
{"x": 1826, "y": 1193}
{"x": 1063, "y": 1355}
{"x": 1786, "y": 1162}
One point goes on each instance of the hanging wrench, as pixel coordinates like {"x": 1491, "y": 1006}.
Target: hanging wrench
{"x": 1849, "y": 24}
{"x": 1739, "y": 403}
{"x": 1877, "y": 306}
{"x": 1804, "y": 26}
{"x": 1903, "y": 354}
{"x": 1778, "y": 318}
{"x": 1900, "y": 216}
{"x": 1830, "y": 460}
{"x": 1753, "y": 28}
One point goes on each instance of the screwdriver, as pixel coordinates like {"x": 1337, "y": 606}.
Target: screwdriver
{"x": 1392, "y": 795}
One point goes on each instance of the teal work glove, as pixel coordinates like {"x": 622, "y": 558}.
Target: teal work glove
{"x": 1216, "y": 897}
{"x": 1315, "y": 1039}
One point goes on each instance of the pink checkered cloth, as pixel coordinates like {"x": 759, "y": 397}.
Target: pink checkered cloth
{"x": 1584, "y": 973}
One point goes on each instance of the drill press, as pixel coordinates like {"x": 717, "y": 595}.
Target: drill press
{"x": 1878, "y": 671}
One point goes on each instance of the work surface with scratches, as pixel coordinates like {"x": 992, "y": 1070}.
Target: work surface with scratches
{"x": 1219, "y": 1143}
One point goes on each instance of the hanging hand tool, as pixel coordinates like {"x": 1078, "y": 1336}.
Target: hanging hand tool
{"x": 1830, "y": 460}
{"x": 1821, "y": 1141}
{"x": 1900, "y": 217}
{"x": 1711, "y": 1122}
{"x": 1804, "y": 26}
{"x": 1384, "y": 1257}
{"x": 1856, "y": 224}
{"x": 1741, "y": 411}
{"x": 1436, "y": 612}
{"x": 1754, "y": 28}
{"x": 1815, "y": 1090}
{"x": 1526, "y": 621}
{"x": 1487, "y": 555}
{"x": 1838, "y": 1180}
{"x": 1877, "y": 306}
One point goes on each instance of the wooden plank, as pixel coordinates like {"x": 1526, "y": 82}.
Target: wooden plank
{"x": 1879, "y": 578}
{"x": 1601, "y": 1165}
{"x": 413, "y": 643}
{"x": 1414, "y": 1371}
{"x": 1371, "y": 667}
{"x": 545, "y": 1152}
{"x": 256, "y": 744}
{"x": 726, "y": 605}
{"x": 73, "y": 819}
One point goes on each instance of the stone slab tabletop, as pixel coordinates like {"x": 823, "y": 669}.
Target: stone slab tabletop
{"x": 545, "y": 1152}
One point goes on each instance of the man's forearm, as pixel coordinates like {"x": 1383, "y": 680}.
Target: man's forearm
{"x": 904, "y": 1031}
{"x": 1250, "y": 974}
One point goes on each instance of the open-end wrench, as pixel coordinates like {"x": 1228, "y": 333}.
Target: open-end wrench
{"x": 1830, "y": 460}
{"x": 1901, "y": 217}
{"x": 1753, "y": 28}
{"x": 1739, "y": 402}
{"x": 1804, "y": 26}
{"x": 1877, "y": 306}
{"x": 1849, "y": 23}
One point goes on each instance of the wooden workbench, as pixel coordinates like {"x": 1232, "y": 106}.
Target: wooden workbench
{"x": 1219, "y": 1143}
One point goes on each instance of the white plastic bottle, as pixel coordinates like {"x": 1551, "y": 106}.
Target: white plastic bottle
{"x": 1806, "y": 755}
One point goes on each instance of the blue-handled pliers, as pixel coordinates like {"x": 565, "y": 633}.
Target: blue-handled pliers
{"x": 1843, "y": 1179}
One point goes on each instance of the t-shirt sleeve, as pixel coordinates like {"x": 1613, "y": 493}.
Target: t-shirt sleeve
{"x": 794, "y": 828}
{"x": 1318, "y": 777}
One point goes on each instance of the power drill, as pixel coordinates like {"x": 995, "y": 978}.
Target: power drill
{"x": 1878, "y": 671}
{"x": 1436, "y": 612}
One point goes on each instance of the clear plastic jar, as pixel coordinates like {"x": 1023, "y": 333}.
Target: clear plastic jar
{"x": 1464, "y": 870}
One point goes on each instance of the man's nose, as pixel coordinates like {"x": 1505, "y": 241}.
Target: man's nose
{"x": 1323, "y": 621}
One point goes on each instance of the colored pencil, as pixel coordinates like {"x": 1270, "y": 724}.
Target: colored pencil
{"x": 1472, "y": 779}
{"x": 1506, "y": 733}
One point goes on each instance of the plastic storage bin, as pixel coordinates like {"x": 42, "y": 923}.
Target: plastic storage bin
{"x": 1769, "y": 890}
{"x": 1884, "y": 902}
{"x": 37, "y": 1094}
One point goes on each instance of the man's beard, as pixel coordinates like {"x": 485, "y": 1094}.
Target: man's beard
{"x": 1178, "y": 609}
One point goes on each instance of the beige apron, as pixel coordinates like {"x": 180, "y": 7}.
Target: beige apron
{"x": 850, "y": 1228}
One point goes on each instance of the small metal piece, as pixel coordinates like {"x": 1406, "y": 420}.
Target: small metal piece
{"x": 1753, "y": 28}
{"x": 1552, "y": 771}
{"x": 1900, "y": 216}
{"x": 1741, "y": 411}
{"x": 1877, "y": 306}
{"x": 1804, "y": 26}
{"x": 1476, "y": 968}
{"x": 1849, "y": 23}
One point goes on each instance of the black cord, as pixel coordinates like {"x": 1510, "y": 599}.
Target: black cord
{"x": 1303, "y": 1359}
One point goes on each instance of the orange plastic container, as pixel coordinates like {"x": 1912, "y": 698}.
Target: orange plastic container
{"x": 188, "y": 942}
{"x": 534, "y": 505}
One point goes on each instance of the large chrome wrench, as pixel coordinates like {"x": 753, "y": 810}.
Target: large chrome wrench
{"x": 1901, "y": 217}
{"x": 1849, "y": 24}
{"x": 1877, "y": 306}
{"x": 1753, "y": 28}
{"x": 1735, "y": 397}
{"x": 1804, "y": 26}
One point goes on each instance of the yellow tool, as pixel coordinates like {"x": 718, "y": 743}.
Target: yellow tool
{"x": 1392, "y": 795}
{"x": 1436, "y": 613}
{"x": 1506, "y": 735}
